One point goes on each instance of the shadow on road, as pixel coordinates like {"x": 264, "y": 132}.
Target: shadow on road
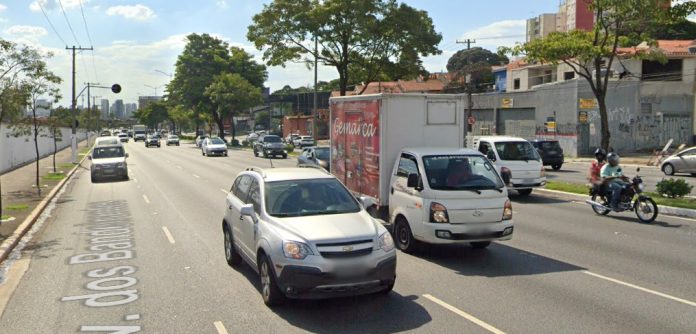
{"x": 496, "y": 261}
{"x": 376, "y": 313}
{"x": 536, "y": 199}
{"x": 630, "y": 217}
{"x": 561, "y": 171}
{"x": 43, "y": 249}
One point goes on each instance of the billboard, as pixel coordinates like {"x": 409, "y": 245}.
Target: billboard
{"x": 355, "y": 145}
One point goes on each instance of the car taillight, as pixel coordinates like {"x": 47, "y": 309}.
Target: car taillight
{"x": 438, "y": 213}
{"x": 507, "y": 210}
{"x": 543, "y": 171}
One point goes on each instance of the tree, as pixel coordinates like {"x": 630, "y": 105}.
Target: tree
{"x": 153, "y": 114}
{"x": 230, "y": 92}
{"x": 476, "y": 63}
{"x": 361, "y": 38}
{"x": 588, "y": 52}
{"x": 204, "y": 58}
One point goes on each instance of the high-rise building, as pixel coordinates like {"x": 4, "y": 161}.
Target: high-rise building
{"x": 577, "y": 15}
{"x": 105, "y": 108}
{"x": 143, "y": 101}
{"x": 130, "y": 109}
{"x": 540, "y": 26}
{"x": 117, "y": 110}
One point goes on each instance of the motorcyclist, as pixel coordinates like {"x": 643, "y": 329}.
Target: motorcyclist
{"x": 596, "y": 167}
{"x": 612, "y": 175}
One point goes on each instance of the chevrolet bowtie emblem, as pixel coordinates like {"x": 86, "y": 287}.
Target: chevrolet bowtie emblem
{"x": 347, "y": 248}
{"x": 478, "y": 213}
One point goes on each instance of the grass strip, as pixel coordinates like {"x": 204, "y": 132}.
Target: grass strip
{"x": 54, "y": 176}
{"x": 582, "y": 189}
{"x": 17, "y": 207}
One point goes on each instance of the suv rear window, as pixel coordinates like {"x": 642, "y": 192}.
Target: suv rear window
{"x": 550, "y": 146}
{"x": 271, "y": 139}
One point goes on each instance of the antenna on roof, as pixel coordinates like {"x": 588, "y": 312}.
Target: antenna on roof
{"x": 271, "y": 161}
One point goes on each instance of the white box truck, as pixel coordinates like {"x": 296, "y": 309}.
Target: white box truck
{"x": 139, "y": 132}
{"x": 403, "y": 154}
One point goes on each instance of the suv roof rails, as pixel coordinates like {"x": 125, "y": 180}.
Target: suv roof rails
{"x": 257, "y": 170}
{"x": 313, "y": 166}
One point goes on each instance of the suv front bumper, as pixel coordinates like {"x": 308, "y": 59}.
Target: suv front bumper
{"x": 307, "y": 282}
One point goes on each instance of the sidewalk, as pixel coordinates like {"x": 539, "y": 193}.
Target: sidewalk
{"x": 19, "y": 195}
{"x": 640, "y": 160}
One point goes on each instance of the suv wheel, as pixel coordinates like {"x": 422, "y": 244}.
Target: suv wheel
{"x": 525, "y": 192}
{"x": 269, "y": 288}
{"x": 404, "y": 238}
{"x": 556, "y": 167}
{"x": 233, "y": 258}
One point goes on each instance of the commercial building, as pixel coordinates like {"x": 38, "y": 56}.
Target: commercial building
{"x": 104, "y": 108}
{"x": 540, "y": 26}
{"x": 117, "y": 110}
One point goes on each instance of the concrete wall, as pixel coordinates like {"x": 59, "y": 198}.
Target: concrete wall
{"x": 18, "y": 151}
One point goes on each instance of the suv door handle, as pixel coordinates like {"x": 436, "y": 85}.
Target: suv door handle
{"x": 231, "y": 208}
{"x": 392, "y": 190}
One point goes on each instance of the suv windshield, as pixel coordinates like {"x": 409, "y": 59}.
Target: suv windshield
{"x": 271, "y": 139}
{"x": 107, "y": 152}
{"x": 456, "y": 172}
{"x": 322, "y": 153}
{"x": 294, "y": 198}
{"x": 516, "y": 150}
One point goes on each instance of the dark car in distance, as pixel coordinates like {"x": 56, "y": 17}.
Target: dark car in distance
{"x": 550, "y": 151}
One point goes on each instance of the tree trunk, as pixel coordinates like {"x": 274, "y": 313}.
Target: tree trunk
{"x": 55, "y": 148}
{"x": 36, "y": 149}
{"x": 604, "y": 119}
{"x": 220, "y": 123}
{"x": 198, "y": 124}
{"x": 233, "y": 132}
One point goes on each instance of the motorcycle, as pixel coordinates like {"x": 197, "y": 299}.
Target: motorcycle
{"x": 632, "y": 199}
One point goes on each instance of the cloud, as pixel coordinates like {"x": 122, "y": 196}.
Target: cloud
{"x": 2, "y": 8}
{"x": 222, "y": 4}
{"x": 135, "y": 12}
{"x": 48, "y": 5}
{"x": 25, "y": 34}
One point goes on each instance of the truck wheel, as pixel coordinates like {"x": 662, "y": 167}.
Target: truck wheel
{"x": 525, "y": 192}
{"x": 404, "y": 238}
{"x": 480, "y": 244}
{"x": 270, "y": 292}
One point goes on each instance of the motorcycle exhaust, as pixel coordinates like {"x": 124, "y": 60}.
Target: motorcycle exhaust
{"x": 596, "y": 204}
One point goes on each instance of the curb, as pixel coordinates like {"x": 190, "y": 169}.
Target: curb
{"x": 11, "y": 242}
{"x": 662, "y": 209}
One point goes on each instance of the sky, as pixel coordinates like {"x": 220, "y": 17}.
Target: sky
{"x": 134, "y": 41}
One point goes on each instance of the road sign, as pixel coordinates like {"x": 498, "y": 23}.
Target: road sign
{"x": 582, "y": 117}
{"x": 471, "y": 120}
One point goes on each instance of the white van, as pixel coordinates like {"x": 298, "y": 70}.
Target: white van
{"x": 447, "y": 196}
{"x": 516, "y": 156}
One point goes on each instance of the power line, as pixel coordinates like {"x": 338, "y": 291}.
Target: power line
{"x": 89, "y": 38}
{"x": 68, "y": 21}
{"x": 50, "y": 23}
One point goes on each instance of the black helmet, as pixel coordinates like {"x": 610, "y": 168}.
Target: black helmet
{"x": 613, "y": 157}
{"x": 600, "y": 151}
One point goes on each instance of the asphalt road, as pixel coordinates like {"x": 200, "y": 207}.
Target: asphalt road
{"x": 576, "y": 172}
{"x": 566, "y": 270}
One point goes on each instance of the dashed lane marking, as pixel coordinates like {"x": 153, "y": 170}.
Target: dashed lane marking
{"x": 220, "y": 327}
{"x": 464, "y": 315}
{"x": 168, "y": 235}
{"x": 196, "y": 176}
{"x": 223, "y": 190}
{"x": 657, "y": 293}
{"x": 147, "y": 200}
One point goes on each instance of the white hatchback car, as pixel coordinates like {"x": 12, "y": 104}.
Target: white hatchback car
{"x": 306, "y": 236}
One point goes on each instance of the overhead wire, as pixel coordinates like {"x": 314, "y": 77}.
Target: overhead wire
{"x": 89, "y": 38}
{"x": 60, "y": 2}
{"x": 51, "y": 23}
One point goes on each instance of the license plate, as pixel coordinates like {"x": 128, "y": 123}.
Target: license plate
{"x": 108, "y": 171}
{"x": 528, "y": 181}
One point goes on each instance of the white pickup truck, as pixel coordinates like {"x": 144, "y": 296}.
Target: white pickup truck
{"x": 404, "y": 154}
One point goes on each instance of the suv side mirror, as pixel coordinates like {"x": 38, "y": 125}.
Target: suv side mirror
{"x": 413, "y": 181}
{"x": 490, "y": 155}
{"x": 127, "y": 155}
{"x": 248, "y": 210}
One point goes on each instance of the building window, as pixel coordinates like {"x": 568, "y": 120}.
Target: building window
{"x": 516, "y": 84}
{"x": 669, "y": 71}
{"x": 568, "y": 75}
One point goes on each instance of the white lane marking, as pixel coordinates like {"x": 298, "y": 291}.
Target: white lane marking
{"x": 131, "y": 317}
{"x": 168, "y": 234}
{"x": 223, "y": 190}
{"x": 664, "y": 295}
{"x": 464, "y": 315}
{"x": 147, "y": 200}
{"x": 220, "y": 327}
{"x": 196, "y": 176}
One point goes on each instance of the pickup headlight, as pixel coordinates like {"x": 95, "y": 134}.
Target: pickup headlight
{"x": 296, "y": 250}
{"x": 386, "y": 242}
{"x": 438, "y": 213}
{"x": 507, "y": 211}
{"x": 121, "y": 165}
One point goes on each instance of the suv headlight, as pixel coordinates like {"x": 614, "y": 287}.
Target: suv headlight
{"x": 296, "y": 250}
{"x": 386, "y": 242}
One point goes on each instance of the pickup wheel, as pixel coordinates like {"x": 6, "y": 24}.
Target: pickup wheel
{"x": 556, "y": 167}
{"x": 480, "y": 244}
{"x": 270, "y": 292}
{"x": 404, "y": 238}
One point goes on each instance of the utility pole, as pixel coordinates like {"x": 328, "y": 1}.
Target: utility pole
{"x": 467, "y": 76}
{"x": 73, "y": 139}
{"x": 316, "y": 62}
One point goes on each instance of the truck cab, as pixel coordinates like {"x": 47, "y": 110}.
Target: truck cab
{"x": 514, "y": 156}
{"x": 447, "y": 196}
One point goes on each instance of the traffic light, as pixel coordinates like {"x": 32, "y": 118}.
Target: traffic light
{"x": 116, "y": 88}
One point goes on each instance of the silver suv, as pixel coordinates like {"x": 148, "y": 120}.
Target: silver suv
{"x": 306, "y": 236}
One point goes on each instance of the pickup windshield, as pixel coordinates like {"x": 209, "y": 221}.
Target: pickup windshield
{"x": 516, "y": 150}
{"x": 293, "y": 198}
{"x": 460, "y": 172}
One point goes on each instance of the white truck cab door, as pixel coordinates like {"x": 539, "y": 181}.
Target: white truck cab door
{"x": 404, "y": 200}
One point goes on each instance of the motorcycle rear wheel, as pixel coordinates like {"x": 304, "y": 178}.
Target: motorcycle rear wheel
{"x": 604, "y": 202}
{"x": 646, "y": 210}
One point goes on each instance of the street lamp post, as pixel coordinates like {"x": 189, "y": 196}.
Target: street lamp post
{"x": 165, "y": 73}
{"x": 155, "y": 88}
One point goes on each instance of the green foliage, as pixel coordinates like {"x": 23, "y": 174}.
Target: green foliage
{"x": 261, "y": 117}
{"x": 289, "y": 147}
{"x": 17, "y": 207}
{"x": 153, "y": 114}
{"x": 363, "y": 39}
{"x": 674, "y": 188}
{"x": 54, "y": 176}
{"x": 475, "y": 62}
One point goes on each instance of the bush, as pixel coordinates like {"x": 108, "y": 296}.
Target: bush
{"x": 235, "y": 142}
{"x": 289, "y": 147}
{"x": 674, "y": 188}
